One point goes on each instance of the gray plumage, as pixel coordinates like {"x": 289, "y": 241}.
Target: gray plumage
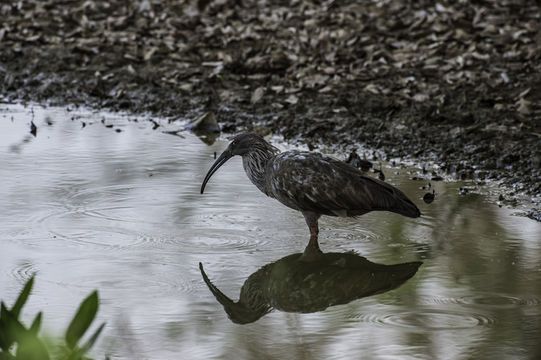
{"x": 313, "y": 183}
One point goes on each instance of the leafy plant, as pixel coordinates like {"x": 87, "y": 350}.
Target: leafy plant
{"x": 20, "y": 342}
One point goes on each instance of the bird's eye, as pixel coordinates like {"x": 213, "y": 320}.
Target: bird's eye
{"x": 235, "y": 142}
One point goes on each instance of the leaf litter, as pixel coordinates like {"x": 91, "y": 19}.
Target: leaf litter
{"x": 455, "y": 83}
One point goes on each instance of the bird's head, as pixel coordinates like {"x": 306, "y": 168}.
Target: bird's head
{"x": 241, "y": 145}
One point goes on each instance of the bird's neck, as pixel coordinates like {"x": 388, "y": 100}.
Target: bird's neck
{"x": 255, "y": 163}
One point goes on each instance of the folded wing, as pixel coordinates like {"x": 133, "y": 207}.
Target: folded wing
{"x": 314, "y": 182}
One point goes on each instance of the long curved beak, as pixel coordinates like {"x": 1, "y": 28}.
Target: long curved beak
{"x": 226, "y": 155}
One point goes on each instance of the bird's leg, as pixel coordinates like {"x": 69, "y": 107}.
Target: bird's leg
{"x": 312, "y": 251}
{"x": 314, "y": 230}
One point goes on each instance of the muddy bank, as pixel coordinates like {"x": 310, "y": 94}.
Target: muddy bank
{"x": 458, "y": 84}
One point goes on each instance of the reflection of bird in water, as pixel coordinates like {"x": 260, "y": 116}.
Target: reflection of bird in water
{"x": 292, "y": 285}
{"x": 312, "y": 183}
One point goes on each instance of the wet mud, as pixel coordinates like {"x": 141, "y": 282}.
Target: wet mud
{"x": 451, "y": 84}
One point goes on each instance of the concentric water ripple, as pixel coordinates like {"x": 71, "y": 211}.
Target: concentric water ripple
{"x": 23, "y": 271}
{"x": 102, "y": 193}
{"x": 493, "y": 300}
{"x": 221, "y": 240}
{"x": 430, "y": 319}
{"x": 159, "y": 276}
{"x": 484, "y": 301}
{"x": 95, "y": 236}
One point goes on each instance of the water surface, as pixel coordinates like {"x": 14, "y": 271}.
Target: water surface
{"x": 89, "y": 206}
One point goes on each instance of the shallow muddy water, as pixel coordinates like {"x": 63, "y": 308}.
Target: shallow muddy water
{"x": 118, "y": 209}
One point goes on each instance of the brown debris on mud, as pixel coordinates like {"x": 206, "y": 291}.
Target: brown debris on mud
{"x": 458, "y": 83}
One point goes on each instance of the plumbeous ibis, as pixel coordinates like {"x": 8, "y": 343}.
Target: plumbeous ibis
{"x": 312, "y": 183}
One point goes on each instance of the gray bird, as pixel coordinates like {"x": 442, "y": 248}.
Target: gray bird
{"x": 312, "y": 183}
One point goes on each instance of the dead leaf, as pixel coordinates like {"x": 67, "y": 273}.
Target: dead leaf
{"x": 372, "y": 88}
{"x": 257, "y": 94}
{"x": 524, "y": 107}
{"x": 148, "y": 54}
{"x": 420, "y": 97}
{"x": 292, "y": 99}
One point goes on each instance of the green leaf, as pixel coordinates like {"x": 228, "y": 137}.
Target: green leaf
{"x": 4, "y": 335}
{"x": 23, "y": 296}
{"x": 10, "y": 328}
{"x": 6, "y": 356}
{"x": 82, "y": 319}
{"x": 30, "y": 347}
{"x": 36, "y": 324}
{"x": 92, "y": 340}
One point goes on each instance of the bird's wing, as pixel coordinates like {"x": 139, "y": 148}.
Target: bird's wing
{"x": 322, "y": 184}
